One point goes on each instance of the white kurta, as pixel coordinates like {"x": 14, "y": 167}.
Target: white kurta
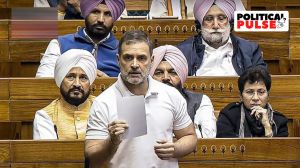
{"x": 165, "y": 111}
{"x": 205, "y": 117}
{"x": 217, "y": 62}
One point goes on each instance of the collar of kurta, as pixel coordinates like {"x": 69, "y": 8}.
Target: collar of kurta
{"x": 125, "y": 92}
{"x": 211, "y": 49}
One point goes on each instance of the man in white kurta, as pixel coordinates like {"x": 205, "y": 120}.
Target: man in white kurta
{"x": 165, "y": 114}
{"x": 66, "y": 117}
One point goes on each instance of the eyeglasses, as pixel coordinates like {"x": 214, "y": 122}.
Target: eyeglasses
{"x": 210, "y": 19}
{"x": 251, "y": 93}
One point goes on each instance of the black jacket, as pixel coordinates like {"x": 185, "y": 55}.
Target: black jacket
{"x": 229, "y": 119}
{"x": 245, "y": 54}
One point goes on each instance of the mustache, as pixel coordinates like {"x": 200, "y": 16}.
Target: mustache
{"x": 76, "y": 89}
{"x": 99, "y": 25}
{"x": 215, "y": 30}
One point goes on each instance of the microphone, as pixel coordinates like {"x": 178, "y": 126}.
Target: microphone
{"x": 55, "y": 129}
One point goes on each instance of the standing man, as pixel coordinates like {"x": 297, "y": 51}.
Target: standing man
{"x": 215, "y": 51}
{"x": 170, "y": 67}
{"x": 95, "y": 37}
{"x": 165, "y": 114}
{"x": 66, "y": 117}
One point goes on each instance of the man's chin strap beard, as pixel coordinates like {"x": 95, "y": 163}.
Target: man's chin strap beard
{"x": 75, "y": 102}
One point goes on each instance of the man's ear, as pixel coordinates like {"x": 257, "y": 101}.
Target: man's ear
{"x": 241, "y": 97}
{"x": 118, "y": 56}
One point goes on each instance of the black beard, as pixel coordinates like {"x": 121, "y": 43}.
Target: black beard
{"x": 74, "y": 101}
{"x": 93, "y": 34}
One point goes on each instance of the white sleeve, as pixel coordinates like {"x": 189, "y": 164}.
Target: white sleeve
{"x": 97, "y": 127}
{"x": 47, "y": 63}
{"x": 190, "y": 9}
{"x": 158, "y": 8}
{"x": 40, "y": 3}
{"x": 176, "y": 7}
{"x": 182, "y": 119}
{"x": 205, "y": 117}
{"x": 43, "y": 127}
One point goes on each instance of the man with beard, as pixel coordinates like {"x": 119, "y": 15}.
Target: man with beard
{"x": 165, "y": 114}
{"x": 215, "y": 51}
{"x": 170, "y": 67}
{"x": 96, "y": 38}
{"x": 66, "y": 117}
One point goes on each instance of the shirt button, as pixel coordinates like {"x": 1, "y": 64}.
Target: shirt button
{"x": 78, "y": 118}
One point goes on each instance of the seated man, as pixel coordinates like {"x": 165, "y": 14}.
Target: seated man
{"x": 96, "y": 38}
{"x": 170, "y": 67}
{"x": 66, "y": 117}
{"x": 215, "y": 51}
{"x": 253, "y": 116}
{"x": 69, "y": 9}
{"x": 171, "y": 8}
{"x": 165, "y": 114}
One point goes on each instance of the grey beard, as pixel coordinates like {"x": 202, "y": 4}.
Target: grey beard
{"x": 216, "y": 39}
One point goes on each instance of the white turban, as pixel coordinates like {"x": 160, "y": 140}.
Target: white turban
{"x": 174, "y": 57}
{"x": 75, "y": 58}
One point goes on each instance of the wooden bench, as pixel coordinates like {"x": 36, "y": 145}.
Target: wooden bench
{"x": 271, "y": 152}
{"x": 27, "y": 95}
{"x": 293, "y": 6}
{"x": 20, "y": 57}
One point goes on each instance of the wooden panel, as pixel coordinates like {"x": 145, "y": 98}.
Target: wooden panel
{"x": 295, "y": 38}
{"x": 4, "y": 51}
{"x": 278, "y": 103}
{"x": 42, "y": 88}
{"x": 279, "y": 149}
{"x": 33, "y": 89}
{"x": 19, "y": 3}
{"x": 138, "y": 5}
{"x": 295, "y": 49}
{"x": 262, "y": 152}
{"x": 4, "y": 152}
{"x": 47, "y": 151}
{"x": 4, "y": 92}
{"x": 227, "y": 86}
{"x": 4, "y": 110}
{"x": 24, "y": 69}
{"x": 245, "y": 164}
{"x": 25, "y": 110}
{"x": 3, "y": 3}
{"x": 27, "y": 51}
{"x": 47, "y": 165}
{"x": 5, "y": 70}
{"x": 3, "y": 30}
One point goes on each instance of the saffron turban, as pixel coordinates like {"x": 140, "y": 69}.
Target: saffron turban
{"x": 201, "y": 7}
{"x": 174, "y": 57}
{"x": 116, "y": 7}
{"x": 75, "y": 58}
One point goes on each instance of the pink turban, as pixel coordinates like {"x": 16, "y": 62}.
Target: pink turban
{"x": 174, "y": 56}
{"x": 201, "y": 7}
{"x": 116, "y": 7}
